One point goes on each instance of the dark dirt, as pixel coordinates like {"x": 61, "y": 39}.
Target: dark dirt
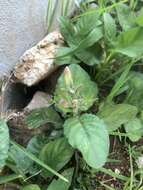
{"x": 118, "y": 152}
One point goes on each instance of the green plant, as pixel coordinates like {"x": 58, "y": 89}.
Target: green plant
{"x": 98, "y": 94}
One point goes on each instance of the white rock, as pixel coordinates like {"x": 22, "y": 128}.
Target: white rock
{"x": 39, "y": 100}
{"x": 38, "y": 62}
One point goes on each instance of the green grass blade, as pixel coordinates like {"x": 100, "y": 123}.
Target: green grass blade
{"x": 113, "y": 161}
{"x": 50, "y": 13}
{"x": 101, "y": 10}
{"x": 38, "y": 161}
{"x": 113, "y": 174}
{"x": 132, "y": 169}
{"x": 120, "y": 82}
{"x": 65, "y": 5}
{"x": 106, "y": 186}
{"x": 9, "y": 178}
{"x": 119, "y": 134}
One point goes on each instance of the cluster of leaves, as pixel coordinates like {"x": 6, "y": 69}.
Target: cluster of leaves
{"x": 100, "y": 91}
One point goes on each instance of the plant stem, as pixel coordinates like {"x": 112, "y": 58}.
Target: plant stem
{"x": 132, "y": 171}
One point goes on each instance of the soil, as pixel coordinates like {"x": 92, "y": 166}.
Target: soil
{"x": 119, "y": 153}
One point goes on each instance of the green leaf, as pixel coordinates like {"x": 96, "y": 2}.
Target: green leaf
{"x": 119, "y": 83}
{"x": 141, "y": 116}
{"x": 78, "y": 42}
{"x": 139, "y": 19}
{"x": 130, "y": 43}
{"x": 18, "y": 158}
{"x": 4, "y": 143}
{"x": 88, "y": 134}
{"x": 87, "y": 23}
{"x": 94, "y": 36}
{"x": 116, "y": 115}
{"x": 66, "y": 59}
{"x": 135, "y": 89}
{"x": 125, "y": 16}
{"x": 56, "y": 9}
{"x": 56, "y": 154}
{"x": 51, "y": 8}
{"x": 42, "y": 116}
{"x": 83, "y": 27}
{"x": 31, "y": 187}
{"x": 66, "y": 6}
{"x": 36, "y": 144}
{"x": 109, "y": 27}
{"x": 61, "y": 185}
{"x": 90, "y": 56}
{"x": 134, "y": 129}
{"x": 76, "y": 95}
{"x": 36, "y": 160}
{"x": 82, "y": 43}
{"x": 67, "y": 30}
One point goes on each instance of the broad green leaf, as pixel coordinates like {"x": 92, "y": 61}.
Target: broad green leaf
{"x": 31, "y": 187}
{"x": 130, "y": 43}
{"x": 135, "y": 80}
{"x": 82, "y": 43}
{"x": 88, "y": 134}
{"x": 78, "y": 42}
{"x": 4, "y": 143}
{"x": 141, "y": 116}
{"x": 109, "y": 27}
{"x": 94, "y": 36}
{"x": 125, "y": 16}
{"x": 139, "y": 19}
{"x": 67, "y": 29}
{"x": 36, "y": 144}
{"x": 83, "y": 27}
{"x": 61, "y": 185}
{"x": 116, "y": 115}
{"x": 90, "y": 56}
{"x": 77, "y": 93}
{"x": 66, "y": 59}
{"x": 134, "y": 129}
{"x": 42, "y": 116}
{"x": 56, "y": 154}
{"x": 20, "y": 160}
{"x": 135, "y": 89}
{"x": 37, "y": 160}
{"x": 87, "y": 23}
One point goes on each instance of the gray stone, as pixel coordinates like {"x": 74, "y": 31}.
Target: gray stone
{"x": 22, "y": 24}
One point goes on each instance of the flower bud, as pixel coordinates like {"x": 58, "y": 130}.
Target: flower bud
{"x": 68, "y": 77}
